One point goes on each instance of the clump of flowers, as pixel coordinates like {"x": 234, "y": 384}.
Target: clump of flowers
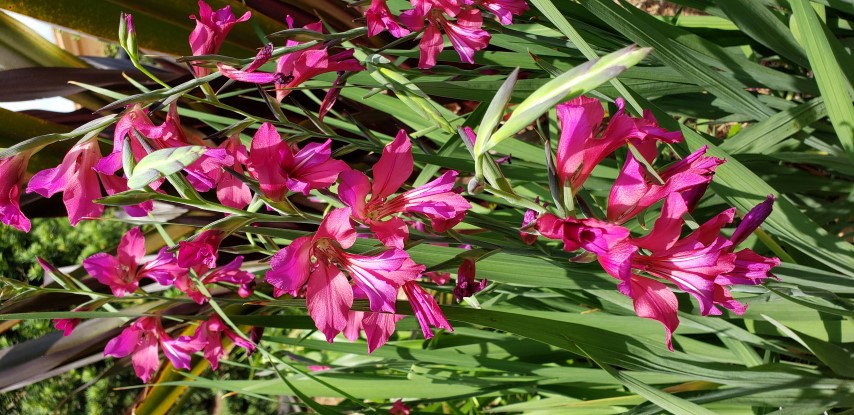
{"x": 460, "y": 20}
{"x": 704, "y": 263}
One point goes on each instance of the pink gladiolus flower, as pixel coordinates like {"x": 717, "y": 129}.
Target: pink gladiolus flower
{"x": 141, "y": 340}
{"x": 313, "y": 262}
{"x": 76, "y": 178}
{"x": 634, "y": 190}
{"x": 380, "y": 18}
{"x": 435, "y": 200}
{"x": 123, "y": 272}
{"x": 582, "y": 147}
{"x": 466, "y": 285}
{"x": 200, "y": 253}
{"x": 277, "y": 166}
{"x": 12, "y": 173}
{"x": 466, "y": 34}
{"x": 212, "y": 27}
{"x": 209, "y": 336}
{"x": 297, "y": 67}
{"x": 702, "y": 264}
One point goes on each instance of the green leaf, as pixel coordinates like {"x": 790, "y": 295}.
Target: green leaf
{"x": 162, "y": 163}
{"x": 828, "y": 71}
{"x": 571, "y": 84}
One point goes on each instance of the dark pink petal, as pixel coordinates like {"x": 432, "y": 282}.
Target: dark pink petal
{"x": 466, "y": 284}
{"x": 393, "y": 232}
{"x": 106, "y": 168}
{"x": 723, "y": 298}
{"x": 336, "y": 226}
{"x": 436, "y": 200}
{"x": 132, "y": 247}
{"x": 291, "y": 267}
{"x": 125, "y": 343}
{"x": 426, "y": 309}
{"x": 354, "y": 325}
{"x": 108, "y": 271}
{"x": 579, "y": 119}
{"x": 379, "y": 328}
{"x": 211, "y": 30}
{"x": 394, "y": 166}
{"x": 379, "y": 17}
{"x": 431, "y": 44}
{"x": 353, "y": 191}
{"x": 415, "y": 18}
{"x": 438, "y": 278}
{"x": 267, "y": 154}
{"x": 617, "y": 262}
{"x": 77, "y": 179}
{"x": 12, "y": 173}
{"x": 329, "y": 298}
{"x": 752, "y": 220}
{"x": 145, "y": 359}
{"x": 331, "y": 96}
{"x": 654, "y": 300}
{"x": 466, "y": 34}
{"x": 550, "y": 226}
{"x": 231, "y": 72}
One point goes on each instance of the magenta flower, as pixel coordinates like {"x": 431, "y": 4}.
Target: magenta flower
{"x": 635, "y": 190}
{"x": 466, "y": 284}
{"x": 200, "y": 253}
{"x": 141, "y": 340}
{"x": 296, "y": 67}
{"x": 465, "y": 34}
{"x": 582, "y": 146}
{"x": 380, "y": 18}
{"x": 230, "y": 273}
{"x": 212, "y": 27}
{"x": 436, "y": 200}
{"x": 278, "y": 167}
{"x": 76, "y": 178}
{"x": 702, "y": 264}
{"x": 426, "y": 308}
{"x": 13, "y": 171}
{"x": 122, "y": 273}
{"x": 313, "y": 262}
{"x": 209, "y": 336}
